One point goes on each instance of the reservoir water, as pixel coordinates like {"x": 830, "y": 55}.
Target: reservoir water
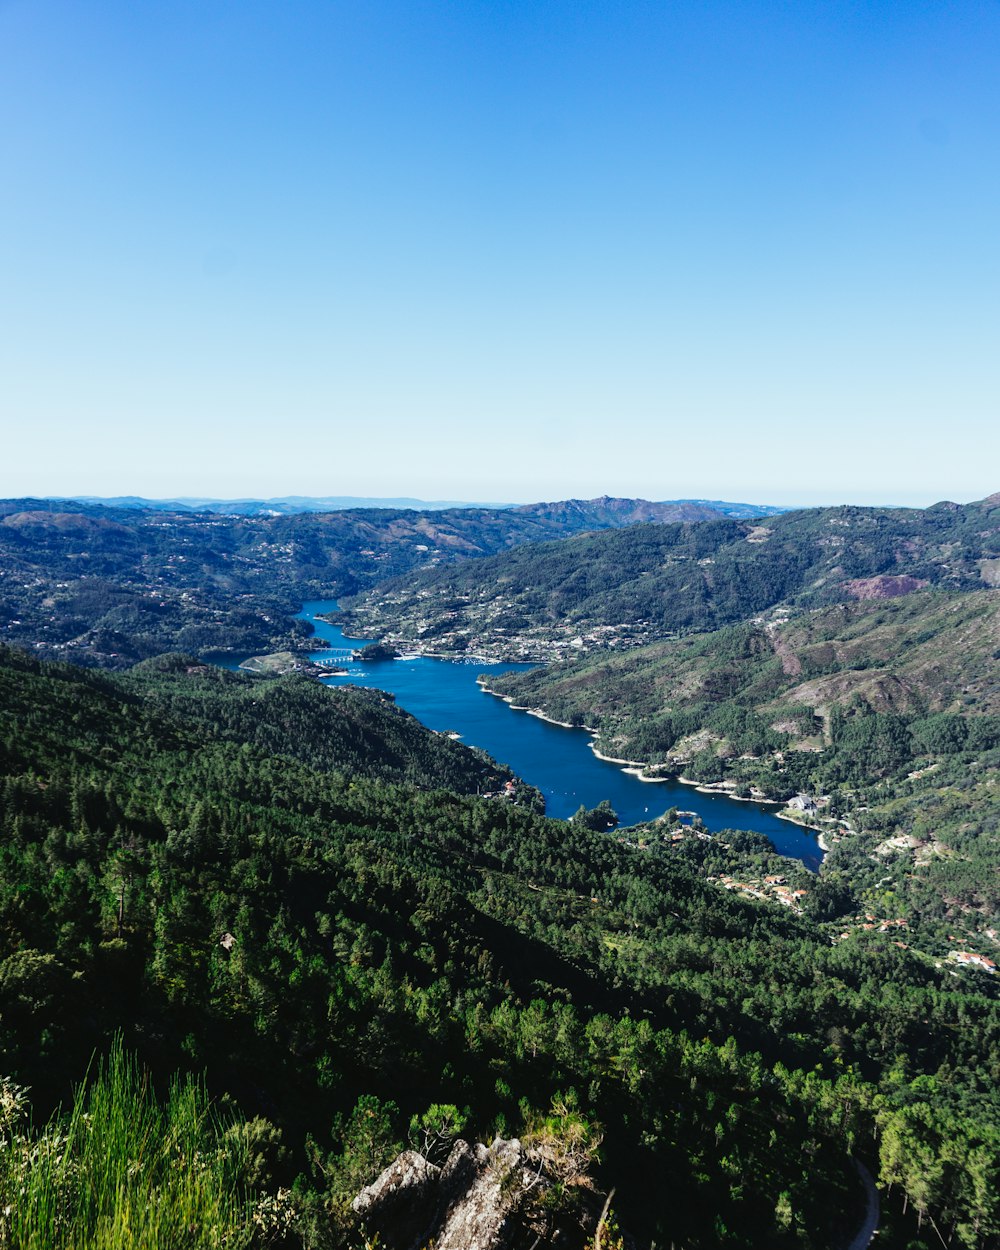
{"x": 445, "y": 696}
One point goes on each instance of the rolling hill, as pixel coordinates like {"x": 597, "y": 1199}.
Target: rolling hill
{"x": 628, "y": 586}
{"x": 112, "y": 585}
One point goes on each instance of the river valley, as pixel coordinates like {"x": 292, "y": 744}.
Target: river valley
{"x": 445, "y": 696}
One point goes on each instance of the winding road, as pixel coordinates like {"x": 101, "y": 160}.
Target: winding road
{"x": 869, "y": 1228}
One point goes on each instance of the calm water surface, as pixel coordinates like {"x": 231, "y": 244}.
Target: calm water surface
{"x": 443, "y": 694}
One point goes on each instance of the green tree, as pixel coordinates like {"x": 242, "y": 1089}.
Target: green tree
{"x": 434, "y": 1132}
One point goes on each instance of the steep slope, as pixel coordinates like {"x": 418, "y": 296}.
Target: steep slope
{"x": 892, "y": 709}
{"x": 340, "y": 729}
{"x": 929, "y": 652}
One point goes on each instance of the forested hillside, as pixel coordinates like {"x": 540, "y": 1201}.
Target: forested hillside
{"x": 887, "y": 712}
{"x": 347, "y": 728}
{"x": 928, "y": 652}
{"x": 107, "y": 585}
{"x": 634, "y": 585}
{"x": 339, "y": 950}
{"x": 299, "y": 892}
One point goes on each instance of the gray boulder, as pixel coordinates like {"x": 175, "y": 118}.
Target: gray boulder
{"x": 481, "y": 1189}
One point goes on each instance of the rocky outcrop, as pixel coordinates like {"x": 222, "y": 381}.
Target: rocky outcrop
{"x": 402, "y": 1204}
{"x": 483, "y": 1198}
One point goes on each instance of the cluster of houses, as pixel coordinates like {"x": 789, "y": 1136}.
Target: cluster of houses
{"x": 686, "y": 831}
{"x": 772, "y": 888}
{"x": 871, "y": 925}
{"x": 883, "y": 926}
{"x": 966, "y": 958}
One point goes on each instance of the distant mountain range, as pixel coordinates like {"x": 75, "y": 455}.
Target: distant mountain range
{"x": 741, "y": 511}
{"x": 121, "y": 580}
{"x": 289, "y": 505}
{"x": 286, "y": 505}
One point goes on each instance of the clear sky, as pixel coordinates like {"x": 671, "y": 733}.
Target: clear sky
{"x": 500, "y": 250}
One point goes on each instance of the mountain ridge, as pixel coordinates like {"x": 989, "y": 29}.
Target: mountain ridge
{"x": 625, "y": 586}
{"x": 111, "y": 585}
{"x": 293, "y": 504}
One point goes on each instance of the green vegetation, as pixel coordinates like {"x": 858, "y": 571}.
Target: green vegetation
{"x": 184, "y": 862}
{"x": 598, "y": 818}
{"x": 890, "y": 709}
{"x": 354, "y": 730}
{"x": 930, "y": 652}
{"x": 294, "y": 911}
{"x": 122, "y": 1169}
{"x": 377, "y": 651}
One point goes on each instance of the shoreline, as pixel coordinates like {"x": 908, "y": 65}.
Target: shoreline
{"x": 634, "y": 768}
{"x": 638, "y": 768}
{"x": 794, "y": 820}
{"x": 548, "y": 719}
{"x": 522, "y": 707}
{"x": 632, "y": 765}
{"x": 709, "y": 787}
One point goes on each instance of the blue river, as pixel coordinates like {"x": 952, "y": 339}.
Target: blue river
{"x": 445, "y": 696}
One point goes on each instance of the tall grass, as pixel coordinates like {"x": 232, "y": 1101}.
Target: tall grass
{"x": 122, "y": 1171}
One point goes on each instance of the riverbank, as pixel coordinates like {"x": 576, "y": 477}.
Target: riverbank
{"x": 533, "y": 711}
{"x": 635, "y": 767}
{"x": 795, "y": 819}
{"x": 523, "y": 707}
{"x": 640, "y": 768}
{"x": 720, "y": 787}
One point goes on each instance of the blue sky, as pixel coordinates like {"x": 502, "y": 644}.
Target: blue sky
{"x": 500, "y": 250}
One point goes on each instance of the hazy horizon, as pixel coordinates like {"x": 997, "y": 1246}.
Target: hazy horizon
{"x": 755, "y": 498}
